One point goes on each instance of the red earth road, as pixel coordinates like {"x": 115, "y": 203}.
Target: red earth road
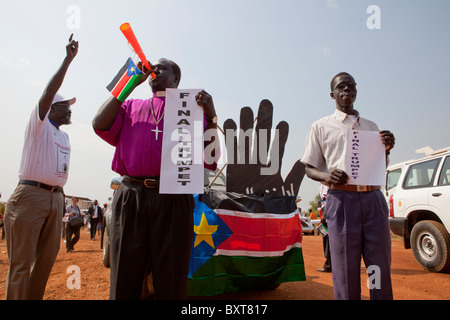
{"x": 410, "y": 281}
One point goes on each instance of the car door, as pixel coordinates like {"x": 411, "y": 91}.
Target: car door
{"x": 439, "y": 196}
{"x": 414, "y": 193}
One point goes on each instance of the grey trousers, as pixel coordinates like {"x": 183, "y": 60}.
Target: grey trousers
{"x": 358, "y": 226}
{"x": 150, "y": 232}
{"x": 33, "y": 221}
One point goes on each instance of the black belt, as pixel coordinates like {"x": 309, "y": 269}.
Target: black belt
{"x": 148, "y": 182}
{"x": 41, "y": 185}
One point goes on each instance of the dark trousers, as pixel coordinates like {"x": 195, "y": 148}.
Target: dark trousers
{"x": 72, "y": 236}
{"x": 326, "y": 252}
{"x": 94, "y": 223}
{"x": 358, "y": 226}
{"x": 152, "y": 232}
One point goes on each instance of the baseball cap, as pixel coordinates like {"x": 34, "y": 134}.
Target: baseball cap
{"x": 60, "y": 98}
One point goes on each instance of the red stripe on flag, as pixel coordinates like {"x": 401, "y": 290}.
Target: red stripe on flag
{"x": 120, "y": 85}
{"x": 259, "y": 234}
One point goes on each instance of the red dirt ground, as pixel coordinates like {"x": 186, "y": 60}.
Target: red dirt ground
{"x": 410, "y": 281}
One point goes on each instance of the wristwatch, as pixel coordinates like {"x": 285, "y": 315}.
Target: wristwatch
{"x": 213, "y": 120}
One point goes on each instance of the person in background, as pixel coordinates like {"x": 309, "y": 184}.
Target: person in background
{"x": 95, "y": 214}
{"x": 2, "y": 214}
{"x": 312, "y": 215}
{"x": 72, "y": 231}
{"x": 323, "y": 189}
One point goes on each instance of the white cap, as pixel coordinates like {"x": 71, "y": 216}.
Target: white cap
{"x": 60, "y": 98}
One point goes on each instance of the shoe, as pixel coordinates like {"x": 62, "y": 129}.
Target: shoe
{"x": 324, "y": 270}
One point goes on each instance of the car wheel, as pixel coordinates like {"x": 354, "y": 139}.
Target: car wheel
{"x": 106, "y": 261}
{"x": 430, "y": 244}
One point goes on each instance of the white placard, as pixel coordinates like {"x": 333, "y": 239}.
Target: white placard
{"x": 182, "y": 148}
{"x": 366, "y": 160}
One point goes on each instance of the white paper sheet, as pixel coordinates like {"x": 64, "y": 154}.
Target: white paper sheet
{"x": 366, "y": 160}
{"x": 182, "y": 149}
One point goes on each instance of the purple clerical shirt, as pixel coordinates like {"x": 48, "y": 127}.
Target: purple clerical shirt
{"x": 138, "y": 153}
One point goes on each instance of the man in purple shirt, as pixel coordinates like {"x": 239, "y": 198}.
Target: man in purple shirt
{"x": 149, "y": 231}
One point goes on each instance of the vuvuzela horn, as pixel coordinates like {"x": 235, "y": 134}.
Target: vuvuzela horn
{"x": 129, "y": 34}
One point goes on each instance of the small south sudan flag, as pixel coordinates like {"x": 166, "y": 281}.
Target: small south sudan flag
{"x": 125, "y": 81}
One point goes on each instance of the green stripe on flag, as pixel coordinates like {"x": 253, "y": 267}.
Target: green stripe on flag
{"x": 222, "y": 274}
{"x": 131, "y": 84}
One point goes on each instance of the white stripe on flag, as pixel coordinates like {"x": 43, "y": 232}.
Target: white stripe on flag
{"x": 242, "y": 214}
{"x": 246, "y": 253}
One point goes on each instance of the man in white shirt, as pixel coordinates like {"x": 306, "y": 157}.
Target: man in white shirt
{"x": 357, "y": 216}
{"x": 34, "y": 211}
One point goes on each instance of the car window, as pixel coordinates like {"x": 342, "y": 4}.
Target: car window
{"x": 444, "y": 178}
{"x": 421, "y": 174}
{"x": 392, "y": 178}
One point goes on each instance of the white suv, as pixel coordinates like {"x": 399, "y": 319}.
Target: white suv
{"x": 418, "y": 192}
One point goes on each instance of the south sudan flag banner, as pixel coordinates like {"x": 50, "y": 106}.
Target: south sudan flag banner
{"x": 244, "y": 242}
{"x": 125, "y": 81}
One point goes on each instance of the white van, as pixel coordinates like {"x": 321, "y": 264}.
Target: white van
{"x": 418, "y": 193}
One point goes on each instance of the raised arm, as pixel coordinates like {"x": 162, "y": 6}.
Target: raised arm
{"x": 55, "y": 83}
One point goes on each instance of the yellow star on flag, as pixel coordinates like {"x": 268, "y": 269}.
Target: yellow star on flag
{"x": 204, "y": 232}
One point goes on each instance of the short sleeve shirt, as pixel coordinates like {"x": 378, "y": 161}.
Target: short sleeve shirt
{"x": 46, "y": 152}
{"x": 327, "y": 140}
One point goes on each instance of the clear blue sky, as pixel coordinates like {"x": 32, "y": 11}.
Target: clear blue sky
{"x": 239, "y": 51}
